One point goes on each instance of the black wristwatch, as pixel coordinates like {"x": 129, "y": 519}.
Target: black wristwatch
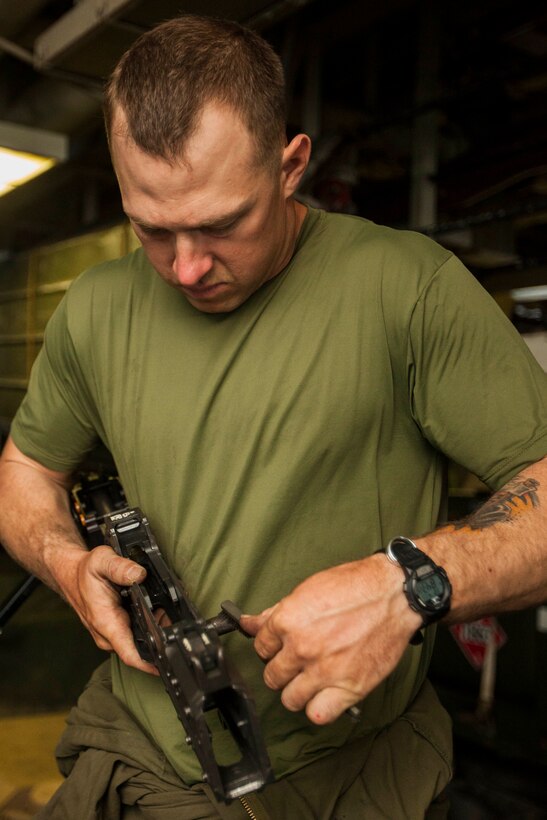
{"x": 426, "y": 586}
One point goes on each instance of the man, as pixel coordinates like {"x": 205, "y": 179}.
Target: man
{"x": 279, "y": 401}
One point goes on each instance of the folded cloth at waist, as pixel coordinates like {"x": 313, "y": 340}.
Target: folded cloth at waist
{"x": 115, "y": 772}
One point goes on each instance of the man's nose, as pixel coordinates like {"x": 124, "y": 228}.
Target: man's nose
{"x": 191, "y": 260}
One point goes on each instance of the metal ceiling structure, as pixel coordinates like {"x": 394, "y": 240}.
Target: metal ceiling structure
{"x": 427, "y": 114}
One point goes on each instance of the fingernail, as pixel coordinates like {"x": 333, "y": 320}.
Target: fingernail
{"x": 135, "y": 574}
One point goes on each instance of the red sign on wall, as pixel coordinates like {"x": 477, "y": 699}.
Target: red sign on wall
{"x": 473, "y": 639}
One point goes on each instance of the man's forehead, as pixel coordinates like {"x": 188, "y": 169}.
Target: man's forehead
{"x": 213, "y": 183}
{"x": 210, "y": 218}
{"x": 156, "y": 194}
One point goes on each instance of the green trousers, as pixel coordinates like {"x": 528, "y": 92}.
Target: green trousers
{"x": 114, "y": 772}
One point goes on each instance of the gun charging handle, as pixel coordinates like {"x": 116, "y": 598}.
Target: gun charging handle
{"x": 228, "y": 619}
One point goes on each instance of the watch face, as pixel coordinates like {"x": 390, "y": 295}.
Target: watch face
{"x": 431, "y": 590}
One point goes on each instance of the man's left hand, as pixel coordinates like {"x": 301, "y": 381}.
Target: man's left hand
{"x": 335, "y": 637}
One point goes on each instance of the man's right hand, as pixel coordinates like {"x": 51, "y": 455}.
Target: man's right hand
{"x": 37, "y": 529}
{"x": 89, "y": 581}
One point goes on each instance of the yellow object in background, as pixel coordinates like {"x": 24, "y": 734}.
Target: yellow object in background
{"x": 28, "y": 772}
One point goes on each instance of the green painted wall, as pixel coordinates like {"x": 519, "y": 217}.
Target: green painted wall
{"x": 31, "y": 286}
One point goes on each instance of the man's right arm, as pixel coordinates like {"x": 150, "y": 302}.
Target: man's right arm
{"x": 37, "y": 529}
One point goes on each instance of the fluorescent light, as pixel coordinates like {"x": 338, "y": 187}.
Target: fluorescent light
{"x": 17, "y": 167}
{"x": 26, "y": 152}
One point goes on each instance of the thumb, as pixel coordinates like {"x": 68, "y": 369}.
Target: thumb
{"x": 133, "y": 573}
{"x": 253, "y": 623}
{"x": 119, "y": 570}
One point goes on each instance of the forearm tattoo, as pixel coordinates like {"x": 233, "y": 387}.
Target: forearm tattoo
{"x": 518, "y": 496}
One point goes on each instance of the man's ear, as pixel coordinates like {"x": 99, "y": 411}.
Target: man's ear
{"x": 294, "y": 162}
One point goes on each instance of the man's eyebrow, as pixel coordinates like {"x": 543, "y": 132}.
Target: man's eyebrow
{"x": 141, "y": 222}
{"x": 213, "y": 222}
{"x": 227, "y": 218}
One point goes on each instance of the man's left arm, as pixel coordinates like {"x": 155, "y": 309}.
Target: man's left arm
{"x": 342, "y": 631}
{"x": 496, "y": 558}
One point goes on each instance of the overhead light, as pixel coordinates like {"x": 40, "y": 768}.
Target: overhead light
{"x": 532, "y": 294}
{"x": 16, "y": 168}
{"x": 27, "y": 152}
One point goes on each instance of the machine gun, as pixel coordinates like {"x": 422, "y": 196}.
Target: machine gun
{"x": 190, "y": 659}
{"x": 188, "y": 653}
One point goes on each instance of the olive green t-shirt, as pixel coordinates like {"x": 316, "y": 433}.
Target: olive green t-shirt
{"x": 302, "y": 430}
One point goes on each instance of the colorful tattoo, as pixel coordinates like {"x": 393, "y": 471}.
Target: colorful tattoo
{"x": 518, "y": 496}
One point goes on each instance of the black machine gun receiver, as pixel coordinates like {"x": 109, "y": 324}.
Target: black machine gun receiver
{"x": 187, "y": 653}
{"x": 190, "y": 659}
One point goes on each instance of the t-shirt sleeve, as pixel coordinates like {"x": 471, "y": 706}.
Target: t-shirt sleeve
{"x": 54, "y": 424}
{"x": 476, "y": 391}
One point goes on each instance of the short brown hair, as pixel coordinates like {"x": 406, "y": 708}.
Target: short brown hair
{"x": 167, "y": 76}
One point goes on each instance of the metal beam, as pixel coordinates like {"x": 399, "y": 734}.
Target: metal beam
{"x": 73, "y": 26}
{"x": 34, "y": 140}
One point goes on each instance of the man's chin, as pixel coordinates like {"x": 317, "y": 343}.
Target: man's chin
{"x": 217, "y": 308}
{"x": 221, "y": 299}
